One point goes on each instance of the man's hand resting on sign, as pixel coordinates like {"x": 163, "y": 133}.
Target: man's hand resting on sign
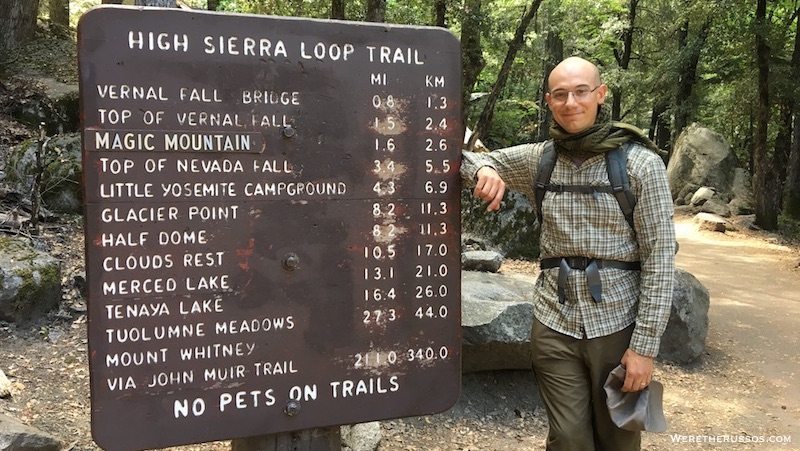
{"x": 490, "y": 187}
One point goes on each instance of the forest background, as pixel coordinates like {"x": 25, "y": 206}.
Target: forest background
{"x": 731, "y": 65}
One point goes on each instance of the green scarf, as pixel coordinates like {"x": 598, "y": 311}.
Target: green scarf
{"x": 601, "y": 137}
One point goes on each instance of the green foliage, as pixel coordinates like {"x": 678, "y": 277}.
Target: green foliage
{"x": 410, "y": 12}
{"x": 299, "y": 8}
{"x": 514, "y": 122}
{"x": 591, "y": 29}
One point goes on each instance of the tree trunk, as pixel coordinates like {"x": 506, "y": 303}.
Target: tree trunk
{"x": 441, "y": 13}
{"x": 624, "y": 59}
{"x": 554, "y": 53}
{"x": 59, "y": 13}
{"x": 681, "y": 94}
{"x": 750, "y": 139}
{"x": 780, "y": 153}
{"x": 337, "y": 9}
{"x": 159, "y": 3}
{"x": 659, "y": 126}
{"x": 17, "y": 23}
{"x": 376, "y": 11}
{"x": 213, "y": 5}
{"x": 763, "y": 178}
{"x": 485, "y": 120}
{"x": 472, "y": 61}
{"x": 791, "y": 205}
{"x": 687, "y": 74}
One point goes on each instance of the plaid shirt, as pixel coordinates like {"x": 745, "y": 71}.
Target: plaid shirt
{"x": 583, "y": 225}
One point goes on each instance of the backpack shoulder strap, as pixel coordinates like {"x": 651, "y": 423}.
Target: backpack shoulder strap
{"x": 617, "y": 166}
{"x": 543, "y": 174}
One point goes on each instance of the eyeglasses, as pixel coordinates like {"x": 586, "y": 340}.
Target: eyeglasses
{"x": 580, "y": 93}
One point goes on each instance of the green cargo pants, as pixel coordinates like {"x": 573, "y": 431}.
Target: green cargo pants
{"x": 570, "y": 374}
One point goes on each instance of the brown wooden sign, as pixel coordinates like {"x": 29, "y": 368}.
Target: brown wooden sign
{"x": 272, "y": 223}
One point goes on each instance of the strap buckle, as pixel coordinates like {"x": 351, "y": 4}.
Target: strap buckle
{"x": 578, "y": 262}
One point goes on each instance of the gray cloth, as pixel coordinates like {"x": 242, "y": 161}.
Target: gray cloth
{"x": 635, "y": 411}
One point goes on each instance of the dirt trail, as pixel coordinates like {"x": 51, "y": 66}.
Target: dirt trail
{"x": 748, "y": 384}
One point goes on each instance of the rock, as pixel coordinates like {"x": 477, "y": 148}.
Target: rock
{"x": 30, "y": 281}
{"x": 497, "y": 313}
{"x": 702, "y": 157}
{"x": 470, "y": 242}
{"x": 512, "y": 231}
{"x": 686, "y": 193}
{"x": 743, "y": 202}
{"x": 712, "y": 222}
{"x": 686, "y": 210}
{"x": 745, "y": 222}
{"x": 486, "y": 261}
{"x": 742, "y": 186}
{"x": 684, "y": 340}
{"x": 496, "y": 318}
{"x": 716, "y": 207}
{"x": 15, "y": 436}
{"x": 361, "y": 437}
{"x": 702, "y": 195}
{"x": 5, "y": 386}
{"x": 14, "y": 220}
{"x": 61, "y": 177}
{"x": 55, "y": 105}
{"x": 739, "y": 207}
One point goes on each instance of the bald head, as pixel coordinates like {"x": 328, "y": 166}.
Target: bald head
{"x": 574, "y": 94}
{"x": 572, "y": 67}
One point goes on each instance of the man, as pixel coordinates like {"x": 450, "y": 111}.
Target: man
{"x": 577, "y": 337}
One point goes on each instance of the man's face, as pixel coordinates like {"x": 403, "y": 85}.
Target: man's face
{"x": 575, "y": 92}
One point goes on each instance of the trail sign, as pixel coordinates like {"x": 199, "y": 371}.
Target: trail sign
{"x": 272, "y": 223}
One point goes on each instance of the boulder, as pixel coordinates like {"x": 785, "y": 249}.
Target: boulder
{"x": 15, "y": 436}
{"x": 702, "y": 195}
{"x": 717, "y": 207}
{"x": 743, "y": 202}
{"x": 742, "y": 186}
{"x": 684, "y": 340}
{"x": 486, "y": 261}
{"x": 741, "y": 207}
{"x": 51, "y": 103}
{"x": 710, "y": 221}
{"x": 512, "y": 231}
{"x": 61, "y": 177}
{"x": 30, "y": 281}
{"x": 497, "y": 314}
{"x": 5, "y": 386}
{"x": 701, "y": 158}
{"x": 361, "y": 437}
{"x": 496, "y": 319}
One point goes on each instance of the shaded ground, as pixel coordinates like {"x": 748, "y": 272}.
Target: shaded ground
{"x": 745, "y": 389}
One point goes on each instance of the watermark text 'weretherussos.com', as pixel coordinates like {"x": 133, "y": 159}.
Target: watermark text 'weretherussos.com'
{"x": 730, "y": 438}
